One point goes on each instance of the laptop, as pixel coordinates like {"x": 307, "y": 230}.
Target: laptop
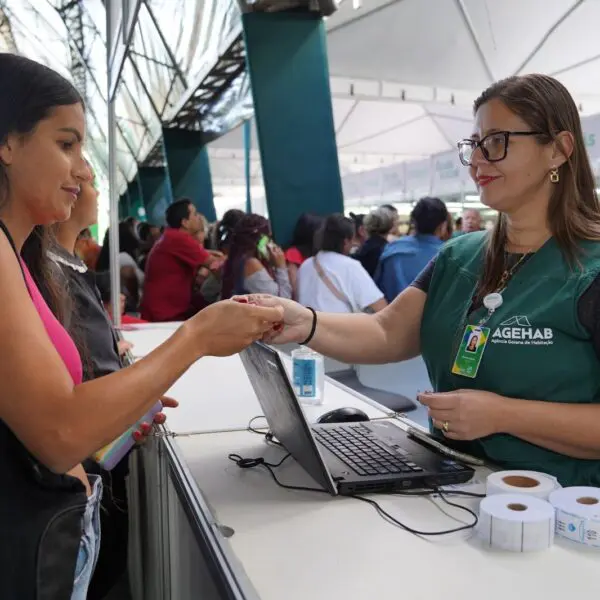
{"x": 345, "y": 458}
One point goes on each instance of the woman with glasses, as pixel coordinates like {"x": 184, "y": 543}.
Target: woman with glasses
{"x": 527, "y": 394}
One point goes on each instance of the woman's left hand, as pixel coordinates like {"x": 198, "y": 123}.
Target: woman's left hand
{"x": 145, "y": 429}
{"x": 464, "y": 414}
{"x": 124, "y": 346}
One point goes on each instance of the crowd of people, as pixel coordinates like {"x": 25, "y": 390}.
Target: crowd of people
{"x": 334, "y": 263}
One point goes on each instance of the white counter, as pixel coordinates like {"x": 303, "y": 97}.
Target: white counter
{"x": 300, "y": 545}
{"x": 310, "y": 546}
{"x": 216, "y": 395}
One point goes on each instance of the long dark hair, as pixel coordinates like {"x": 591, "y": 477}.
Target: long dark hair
{"x": 244, "y": 240}
{"x": 128, "y": 243}
{"x": 335, "y": 231}
{"x": 573, "y": 212}
{"x": 29, "y": 92}
{"x": 224, "y": 229}
{"x": 303, "y": 237}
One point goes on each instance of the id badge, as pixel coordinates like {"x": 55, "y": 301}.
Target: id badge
{"x": 469, "y": 355}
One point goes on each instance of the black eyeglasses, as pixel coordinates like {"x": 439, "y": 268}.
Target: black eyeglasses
{"x": 494, "y": 146}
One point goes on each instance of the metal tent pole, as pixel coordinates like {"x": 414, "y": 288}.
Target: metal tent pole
{"x": 113, "y": 212}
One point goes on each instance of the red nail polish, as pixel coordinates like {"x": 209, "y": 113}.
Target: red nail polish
{"x": 242, "y": 300}
{"x": 137, "y": 436}
{"x": 277, "y": 328}
{"x": 145, "y": 428}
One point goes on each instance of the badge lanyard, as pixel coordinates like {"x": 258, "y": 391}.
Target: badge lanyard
{"x": 475, "y": 337}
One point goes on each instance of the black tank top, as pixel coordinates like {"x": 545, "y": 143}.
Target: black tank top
{"x": 41, "y": 516}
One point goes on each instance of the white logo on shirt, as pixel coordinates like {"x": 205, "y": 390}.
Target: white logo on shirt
{"x": 518, "y": 330}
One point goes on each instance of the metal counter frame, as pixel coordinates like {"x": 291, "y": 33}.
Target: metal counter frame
{"x": 177, "y": 550}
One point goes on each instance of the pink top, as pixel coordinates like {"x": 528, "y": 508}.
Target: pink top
{"x": 56, "y": 332}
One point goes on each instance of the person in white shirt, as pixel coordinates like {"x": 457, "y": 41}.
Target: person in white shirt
{"x": 331, "y": 281}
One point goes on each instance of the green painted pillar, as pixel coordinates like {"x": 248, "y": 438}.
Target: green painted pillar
{"x": 156, "y": 193}
{"x": 189, "y": 169}
{"x": 287, "y": 62}
{"x": 136, "y": 206}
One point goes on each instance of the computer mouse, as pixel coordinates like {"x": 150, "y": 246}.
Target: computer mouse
{"x": 347, "y": 414}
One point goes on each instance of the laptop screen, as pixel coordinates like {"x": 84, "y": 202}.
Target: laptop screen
{"x": 283, "y": 411}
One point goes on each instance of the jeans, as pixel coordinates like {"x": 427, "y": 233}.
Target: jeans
{"x": 90, "y": 541}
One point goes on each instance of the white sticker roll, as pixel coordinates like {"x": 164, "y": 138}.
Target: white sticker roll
{"x": 516, "y": 523}
{"x": 530, "y": 483}
{"x": 578, "y": 514}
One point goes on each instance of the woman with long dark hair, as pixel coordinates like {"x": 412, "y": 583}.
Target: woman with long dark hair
{"x": 223, "y": 230}
{"x": 530, "y": 290}
{"x": 302, "y": 246}
{"x": 49, "y": 420}
{"x": 254, "y": 263}
{"x": 132, "y": 276}
{"x": 331, "y": 280}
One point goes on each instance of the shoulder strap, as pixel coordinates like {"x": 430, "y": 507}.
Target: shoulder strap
{"x": 12, "y": 245}
{"x": 330, "y": 285}
{"x": 9, "y": 237}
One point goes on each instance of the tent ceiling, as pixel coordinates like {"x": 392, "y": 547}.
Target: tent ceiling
{"x": 469, "y": 43}
{"x": 404, "y": 72}
{"x": 405, "y": 91}
{"x": 370, "y": 134}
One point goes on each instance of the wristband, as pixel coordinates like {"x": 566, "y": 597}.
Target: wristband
{"x": 313, "y": 329}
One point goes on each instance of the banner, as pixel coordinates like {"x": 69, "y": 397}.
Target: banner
{"x": 362, "y": 185}
{"x": 418, "y": 178}
{"x": 449, "y": 175}
{"x": 393, "y": 180}
{"x": 443, "y": 174}
{"x": 591, "y": 136}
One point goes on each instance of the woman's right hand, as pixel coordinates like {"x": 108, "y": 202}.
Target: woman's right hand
{"x": 296, "y": 321}
{"x": 227, "y": 327}
{"x": 277, "y": 256}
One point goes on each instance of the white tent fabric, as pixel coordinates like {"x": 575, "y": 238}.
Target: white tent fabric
{"x": 404, "y": 74}
{"x": 467, "y": 44}
{"x": 189, "y": 31}
{"x": 439, "y": 175}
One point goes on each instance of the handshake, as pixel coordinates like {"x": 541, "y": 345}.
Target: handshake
{"x": 229, "y": 326}
{"x": 277, "y": 327}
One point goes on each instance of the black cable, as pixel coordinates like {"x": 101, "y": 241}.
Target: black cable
{"x": 250, "y": 463}
{"x": 269, "y": 438}
{"x": 386, "y": 515}
{"x": 251, "y": 427}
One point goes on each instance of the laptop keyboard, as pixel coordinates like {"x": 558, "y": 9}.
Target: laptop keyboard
{"x": 361, "y": 450}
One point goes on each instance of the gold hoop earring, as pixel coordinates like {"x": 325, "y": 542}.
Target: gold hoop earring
{"x": 554, "y": 176}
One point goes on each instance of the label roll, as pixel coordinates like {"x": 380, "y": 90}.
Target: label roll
{"x": 578, "y": 514}
{"x": 516, "y": 523}
{"x": 529, "y": 483}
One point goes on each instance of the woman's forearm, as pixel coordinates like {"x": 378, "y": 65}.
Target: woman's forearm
{"x": 561, "y": 448}
{"x": 390, "y": 335}
{"x": 571, "y": 429}
{"x": 349, "y": 338}
{"x": 283, "y": 282}
{"x": 102, "y": 409}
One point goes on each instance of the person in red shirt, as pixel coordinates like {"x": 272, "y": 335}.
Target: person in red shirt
{"x": 173, "y": 265}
